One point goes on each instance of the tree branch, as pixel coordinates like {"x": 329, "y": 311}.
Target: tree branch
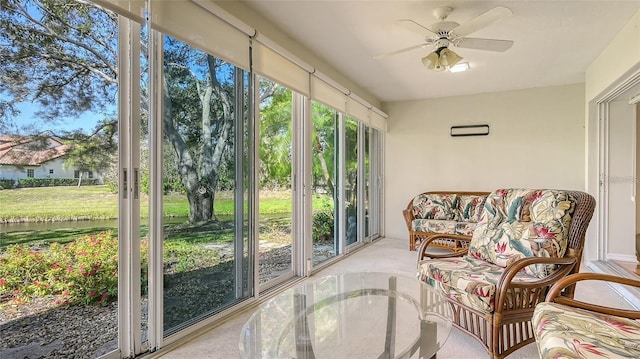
{"x": 90, "y": 35}
{"x": 193, "y": 74}
{"x": 50, "y": 32}
{"x": 74, "y": 65}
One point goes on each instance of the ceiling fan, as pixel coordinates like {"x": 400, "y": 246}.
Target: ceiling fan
{"x": 442, "y": 34}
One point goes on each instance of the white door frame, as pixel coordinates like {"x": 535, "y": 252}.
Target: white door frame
{"x": 602, "y": 200}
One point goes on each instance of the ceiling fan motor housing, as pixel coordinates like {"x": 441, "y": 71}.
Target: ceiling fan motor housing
{"x": 441, "y": 43}
{"x": 443, "y": 28}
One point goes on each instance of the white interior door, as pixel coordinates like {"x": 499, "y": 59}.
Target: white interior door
{"x": 621, "y": 182}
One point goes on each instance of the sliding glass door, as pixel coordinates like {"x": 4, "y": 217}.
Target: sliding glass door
{"x": 207, "y": 259}
{"x": 345, "y": 180}
{"x": 324, "y": 221}
{"x": 351, "y": 179}
{"x": 59, "y": 180}
{"x": 373, "y": 186}
{"x": 275, "y": 178}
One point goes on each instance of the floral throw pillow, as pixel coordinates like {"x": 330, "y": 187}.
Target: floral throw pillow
{"x": 526, "y": 223}
{"x": 469, "y": 208}
{"x": 434, "y": 206}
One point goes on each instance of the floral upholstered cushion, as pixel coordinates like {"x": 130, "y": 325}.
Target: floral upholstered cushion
{"x": 467, "y": 280}
{"x": 566, "y": 332}
{"x": 434, "y": 206}
{"x": 434, "y": 225}
{"x": 519, "y": 223}
{"x": 465, "y": 228}
{"x": 469, "y": 208}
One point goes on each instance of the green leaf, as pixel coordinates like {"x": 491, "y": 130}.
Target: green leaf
{"x": 517, "y": 245}
{"x": 513, "y": 210}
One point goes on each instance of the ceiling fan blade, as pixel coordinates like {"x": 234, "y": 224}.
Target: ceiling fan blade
{"x": 481, "y": 21}
{"x": 415, "y": 27}
{"x": 425, "y": 44}
{"x": 483, "y": 44}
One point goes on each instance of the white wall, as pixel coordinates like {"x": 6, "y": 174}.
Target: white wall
{"x": 617, "y": 59}
{"x": 536, "y": 140}
{"x": 42, "y": 171}
{"x": 11, "y": 172}
{"x": 58, "y": 167}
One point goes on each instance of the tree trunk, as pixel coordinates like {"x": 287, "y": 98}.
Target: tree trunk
{"x": 200, "y": 179}
{"x": 323, "y": 165}
{"x": 80, "y": 179}
{"x": 201, "y": 206}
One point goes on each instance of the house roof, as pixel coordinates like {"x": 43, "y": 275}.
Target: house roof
{"x": 29, "y": 150}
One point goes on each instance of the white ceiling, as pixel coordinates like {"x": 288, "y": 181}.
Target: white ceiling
{"x": 555, "y": 41}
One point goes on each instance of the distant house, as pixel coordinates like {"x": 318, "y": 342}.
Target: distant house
{"x": 35, "y": 157}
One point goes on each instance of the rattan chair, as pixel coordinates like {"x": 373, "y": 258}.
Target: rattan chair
{"x": 506, "y": 325}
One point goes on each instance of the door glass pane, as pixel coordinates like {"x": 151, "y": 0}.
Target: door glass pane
{"x": 144, "y": 164}
{"x": 373, "y": 186}
{"x": 351, "y": 180}
{"x": 367, "y": 179}
{"x": 205, "y": 269}
{"x": 323, "y": 179}
{"x": 58, "y": 231}
{"x": 275, "y": 195}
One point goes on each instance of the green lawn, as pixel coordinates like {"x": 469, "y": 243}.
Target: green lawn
{"x": 44, "y": 204}
{"x": 59, "y": 204}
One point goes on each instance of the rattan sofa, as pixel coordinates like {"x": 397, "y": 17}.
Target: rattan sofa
{"x": 525, "y": 241}
{"x": 443, "y": 212}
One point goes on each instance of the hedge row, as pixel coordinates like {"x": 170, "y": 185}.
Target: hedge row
{"x": 44, "y": 182}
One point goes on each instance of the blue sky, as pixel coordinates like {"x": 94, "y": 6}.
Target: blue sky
{"x": 28, "y": 117}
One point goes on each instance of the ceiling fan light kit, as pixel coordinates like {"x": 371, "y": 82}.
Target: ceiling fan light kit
{"x": 443, "y": 33}
{"x": 432, "y": 62}
{"x": 449, "y": 58}
{"x": 441, "y": 59}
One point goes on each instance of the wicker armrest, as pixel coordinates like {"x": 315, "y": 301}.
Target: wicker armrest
{"x": 422, "y": 250}
{"x": 408, "y": 217}
{"x": 555, "y": 294}
{"x": 536, "y": 289}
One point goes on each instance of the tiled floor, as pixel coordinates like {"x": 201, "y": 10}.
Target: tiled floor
{"x": 631, "y": 267}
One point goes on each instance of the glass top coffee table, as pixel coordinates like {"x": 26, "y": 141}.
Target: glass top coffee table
{"x": 351, "y": 315}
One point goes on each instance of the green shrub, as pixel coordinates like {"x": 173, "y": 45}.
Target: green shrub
{"x": 51, "y": 182}
{"x": 7, "y": 183}
{"x": 144, "y": 182}
{"x": 82, "y": 272}
{"x": 113, "y": 186}
{"x": 323, "y": 223}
